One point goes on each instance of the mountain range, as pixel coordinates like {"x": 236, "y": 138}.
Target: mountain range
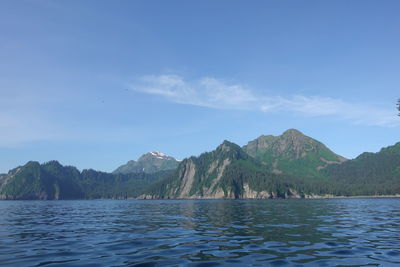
{"x": 291, "y": 165}
{"x": 51, "y": 180}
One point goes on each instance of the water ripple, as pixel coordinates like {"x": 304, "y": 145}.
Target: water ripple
{"x": 347, "y": 232}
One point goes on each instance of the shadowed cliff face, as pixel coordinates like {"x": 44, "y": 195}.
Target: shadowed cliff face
{"x": 47, "y": 181}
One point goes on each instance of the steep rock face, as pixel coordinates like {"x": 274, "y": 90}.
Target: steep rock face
{"x": 200, "y": 177}
{"x": 149, "y": 163}
{"x": 292, "y": 153}
{"x": 227, "y": 172}
{"x": 250, "y": 193}
{"x": 286, "y": 166}
{"x": 187, "y": 174}
{"x": 2, "y": 179}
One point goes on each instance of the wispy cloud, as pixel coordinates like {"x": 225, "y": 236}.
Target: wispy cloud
{"x": 215, "y": 93}
{"x": 206, "y": 92}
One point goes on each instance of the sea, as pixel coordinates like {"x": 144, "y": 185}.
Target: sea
{"x": 282, "y": 232}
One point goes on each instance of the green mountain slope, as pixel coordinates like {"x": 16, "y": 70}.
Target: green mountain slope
{"x": 199, "y": 177}
{"x": 292, "y": 153}
{"x": 149, "y": 163}
{"x": 54, "y": 181}
{"x": 288, "y": 166}
{"x": 369, "y": 174}
{"x": 47, "y": 181}
{"x": 229, "y": 172}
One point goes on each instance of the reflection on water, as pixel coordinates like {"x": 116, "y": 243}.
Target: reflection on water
{"x": 200, "y": 233}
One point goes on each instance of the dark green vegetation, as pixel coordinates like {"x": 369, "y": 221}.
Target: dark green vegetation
{"x": 149, "y": 163}
{"x": 288, "y": 166}
{"x": 292, "y": 153}
{"x": 54, "y": 181}
{"x": 201, "y": 176}
{"x": 369, "y": 173}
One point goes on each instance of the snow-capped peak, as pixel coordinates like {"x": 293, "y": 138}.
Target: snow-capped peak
{"x": 158, "y": 154}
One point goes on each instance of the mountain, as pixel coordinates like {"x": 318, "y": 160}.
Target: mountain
{"x": 288, "y": 166}
{"x": 227, "y": 172}
{"x": 47, "y": 181}
{"x": 200, "y": 177}
{"x": 149, "y": 163}
{"x": 291, "y": 165}
{"x": 369, "y": 174}
{"x": 51, "y": 180}
{"x": 292, "y": 153}
{"x": 197, "y": 176}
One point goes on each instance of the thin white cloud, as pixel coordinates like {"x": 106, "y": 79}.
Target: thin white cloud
{"x": 206, "y": 92}
{"x": 214, "y": 93}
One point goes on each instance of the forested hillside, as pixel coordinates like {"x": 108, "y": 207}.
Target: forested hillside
{"x": 51, "y": 180}
{"x": 288, "y": 166}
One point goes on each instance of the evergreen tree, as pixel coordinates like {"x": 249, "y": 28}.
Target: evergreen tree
{"x": 398, "y": 105}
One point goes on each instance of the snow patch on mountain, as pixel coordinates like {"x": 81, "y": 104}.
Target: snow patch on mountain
{"x": 159, "y": 155}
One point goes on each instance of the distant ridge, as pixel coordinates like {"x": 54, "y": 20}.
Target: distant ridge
{"x": 291, "y": 165}
{"x": 52, "y": 181}
{"x": 150, "y": 162}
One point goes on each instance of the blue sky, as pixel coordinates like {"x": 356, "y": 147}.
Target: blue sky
{"x": 97, "y": 83}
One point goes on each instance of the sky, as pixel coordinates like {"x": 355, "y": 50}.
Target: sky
{"x": 97, "y": 83}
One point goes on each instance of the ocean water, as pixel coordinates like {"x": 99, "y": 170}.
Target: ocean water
{"x": 324, "y": 232}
